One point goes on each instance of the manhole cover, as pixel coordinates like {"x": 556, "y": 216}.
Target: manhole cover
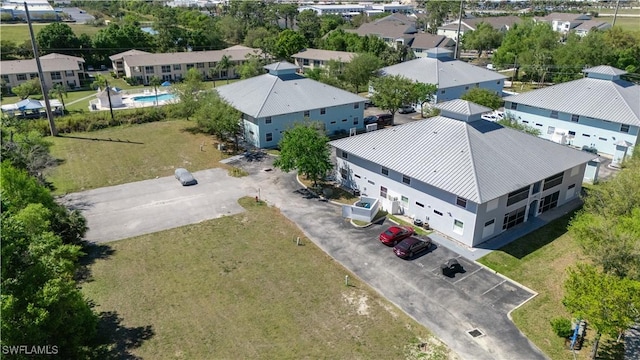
{"x": 475, "y": 333}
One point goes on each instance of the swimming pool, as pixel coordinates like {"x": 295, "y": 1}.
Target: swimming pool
{"x": 152, "y": 98}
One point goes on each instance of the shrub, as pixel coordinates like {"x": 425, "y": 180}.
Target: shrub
{"x": 561, "y": 326}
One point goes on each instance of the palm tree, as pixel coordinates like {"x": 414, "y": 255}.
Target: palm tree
{"x": 59, "y": 92}
{"x": 213, "y": 73}
{"x": 155, "y": 82}
{"x": 225, "y": 63}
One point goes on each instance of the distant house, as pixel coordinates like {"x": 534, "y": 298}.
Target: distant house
{"x": 274, "y": 102}
{"x": 563, "y": 22}
{"x": 348, "y": 10}
{"x": 500, "y": 23}
{"x": 317, "y": 58}
{"x": 38, "y": 9}
{"x": 584, "y": 28}
{"x": 174, "y": 66}
{"x": 393, "y": 29}
{"x": 425, "y": 41}
{"x": 468, "y": 178}
{"x": 600, "y": 111}
{"x": 57, "y": 68}
{"x": 452, "y": 77}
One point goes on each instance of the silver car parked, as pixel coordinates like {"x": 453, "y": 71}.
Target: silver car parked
{"x": 185, "y": 177}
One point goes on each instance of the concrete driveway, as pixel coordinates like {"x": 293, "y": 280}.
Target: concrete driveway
{"x": 475, "y": 302}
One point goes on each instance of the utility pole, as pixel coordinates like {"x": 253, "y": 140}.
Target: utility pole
{"x": 455, "y": 55}
{"x": 43, "y": 86}
{"x": 615, "y": 14}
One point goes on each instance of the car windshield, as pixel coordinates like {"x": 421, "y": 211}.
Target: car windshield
{"x": 403, "y": 245}
{"x": 388, "y": 232}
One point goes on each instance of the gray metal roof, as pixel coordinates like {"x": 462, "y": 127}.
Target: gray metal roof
{"x": 479, "y": 161}
{"x": 282, "y": 65}
{"x": 235, "y": 53}
{"x": 462, "y": 107}
{"x": 127, "y": 53}
{"x": 50, "y": 62}
{"x": 270, "y": 95}
{"x": 604, "y": 69}
{"x": 445, "y": 74}
{"x": 616, "y": 101}
{"x": 325, "y": 55}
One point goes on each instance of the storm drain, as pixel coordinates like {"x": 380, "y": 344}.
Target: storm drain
{"x": 475, "y": 333}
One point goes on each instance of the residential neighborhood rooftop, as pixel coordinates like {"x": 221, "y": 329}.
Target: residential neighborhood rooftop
{"x": 478, "y": 160}
{"x": 428, "y": 41}
{"x": 50, "y": 62}
{"x": 283, "y": 93}
{"x": 324, "y": 55}
{"x": 237, "y": 52}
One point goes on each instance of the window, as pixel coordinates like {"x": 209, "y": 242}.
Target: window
{"x": 518, "y": 195}
{"x": 441, "y": 91}
{"x": 345, "y": 155}
{"x": 200, "y": 65}
{"x": 316, "y": 63}
{"x": 571, "y": 186}
{"x": 189, "y": 66}
{"x": 538, "y": 124}
{"x": 498, "y": 82}
{"x": 177, "y": 66}
{"x": 525, "y": 121}
{"x": 66, "y": 73}
{"x": 323, "y": 111}
{"x": 490, "y": 222}
{"x": 420, "y": 204}
{"x": 514, "y": 106}
{"x": 306, "y": 113}
{"x": 385, "y": 171}
{"x": 267, "y": 120}
{"x": 551, "y": 130}
{"x": 552, "y": 181}
{"x": 358, "y": 176}
{"x": 356, "y": 106}
{"x": 461, "y": 202}
{"x": 383, "y": 192}
{"x": 404, "y": 199}
{"x": 466, "y": 88}
{"x": 458, "y": 226}
{"x": 586, "y": 135}
{"x": 536, "y": 187}
{"x": 624, "y": 128}
{"x": 5, "y": 78}
{"x": 406, "y": 179}
{"x": 549, "y": 202}
{"x": 343, "y": 173}
{"x": 333, "y": 122}
{"x": 55, "y": 75}
{"x": 437, "y": 212}
{"x": 572, "y": 133}
{"x": 575, "y": 118}
{"x": 371, "y": 182}
{"x": 148, "y": 69}
{"x": 355, "y": 121}
{"x": 344, "y": 120}
{"x": 513, "y": 218}
{"x": 166, "y": 68}
{"x": 269, "y": 136}
{"x": 212, "y": 64}
{"x": 305, "y": 62}
{"x": 554, "y": 114}
{"x": 24, "y": 76}
{"x": 602, "y": 139}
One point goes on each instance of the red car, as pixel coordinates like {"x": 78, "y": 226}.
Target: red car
{"x": 412, "y": 246}
{"x": 395, "y": 234}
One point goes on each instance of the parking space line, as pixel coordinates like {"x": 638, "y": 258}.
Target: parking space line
{"x": 503, "y": 281}
{"x": 467, "y": 276}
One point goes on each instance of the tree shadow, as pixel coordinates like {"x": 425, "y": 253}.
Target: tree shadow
{"x": 93, "y": 252}
{"x": 124, "y": 141}
{"x": 611, "y": 350}
{"x": 194, "y": 130}
{"x": 115, "y": 340}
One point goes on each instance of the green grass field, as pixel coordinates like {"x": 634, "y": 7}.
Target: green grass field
{"x": 238, "y": 287}
{"x": 19, "y": 33}
{"x": 154, "y": 149}
{"x": 626, "y": 23}
{"x": 539, "y": 261}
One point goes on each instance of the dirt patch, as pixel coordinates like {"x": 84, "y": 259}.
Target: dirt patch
{"x": 359, "y": 302}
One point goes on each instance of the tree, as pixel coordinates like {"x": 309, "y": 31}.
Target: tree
{"x": 610, "y": 304}
{"x": 361, "y": 69}
{"x": 115, "y": 37}
{"x": 608, "y": 226}
{"x": 225, "y": 64}
{"x": 59, "y": 91}
{"x": 305, "y": 148}
{"x": 392, "y": 92}
{"x": 308, "y": 25}
{"x": 188, "y": 92}
{"x": 288, "y": 12}
{"x": 57, "y": 37}
{"x": 437, "y": 13}
{"x": 483, "y": 97}
{"x": 424, "y": 94}
{"x": 232, "y": 29}
{"x": 484, "y": 37}
{"x": 251, "y": 67}
{"x": 330, "y": 22}
{"x": 217, "y": 117}
{"x": 27, "y": 88}
{"x": 8, "y": 49}
{"x": 155, "y": 82}
{"x": 288, "y": 43}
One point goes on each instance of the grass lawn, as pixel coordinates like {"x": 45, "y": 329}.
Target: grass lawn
{"x": 96, "y": 159}
{"x": 238, "y": 287}
{"x": 538, "y": 261}
{"x": 626, "y": 23}
{"x": 19, "y": 33}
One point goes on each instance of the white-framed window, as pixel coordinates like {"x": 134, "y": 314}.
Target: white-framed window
{"x": 551, "y": 130}
{"x": 345, "y": 155}
{"x": 383, "y": 192}
{"x": 24, "y": 77}
{"x": 355, "y": 121}
{"x": 458, "y": 226}
{"x": 166, "y": 68}
{"x": 148, "y": 69}
{"x": 323, "y": 111}
{"x": 514, "y": 106}
{"x": 177, "y": 67}
{"x": 405, "y": 200}
{"x": 575, "y": 118}
{"x": 269, "y": 137}
{"x": 356, "y": 106}
{"x": 200, "y": 65}
{"x": 306, "y": 113}
{"x": 554, "y": 114}
{"x": 462, "y": 202}
{"x": 55, "y": 75}
{"x": 267, "y": 120}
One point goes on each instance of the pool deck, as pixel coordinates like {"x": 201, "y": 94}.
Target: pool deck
{"x": 128, "y": 101}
